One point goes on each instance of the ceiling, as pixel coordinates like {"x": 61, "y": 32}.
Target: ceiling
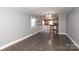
{"x": 39, "y": 11}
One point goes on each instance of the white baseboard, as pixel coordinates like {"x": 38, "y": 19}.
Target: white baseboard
{"x": 62, "y": 33}
{"x": 72, "y": 41}
{"x": 23, "y": 38}
{"x": 9, "y": 44}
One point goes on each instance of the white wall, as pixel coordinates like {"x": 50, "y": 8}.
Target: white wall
{"x": 62, "y": 23}
{"x": 14, "y": 24}
{"x": 73, "y": 24}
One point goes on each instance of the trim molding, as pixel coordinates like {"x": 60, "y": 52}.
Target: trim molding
{"x": 16, "y": 41}
{"x": 23, "y": 38}
{"x": 72, "y": 41}
{"x": 62, "y": 33}
{"x": 77, "y": 45}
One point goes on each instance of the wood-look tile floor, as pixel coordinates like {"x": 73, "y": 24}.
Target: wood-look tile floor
{"x": 42, "y": 42}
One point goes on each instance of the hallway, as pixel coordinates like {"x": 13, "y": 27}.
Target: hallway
{"x": 40, "y": 42}
{"x": 39, "y": 29}
{"x": 21, "y": 23}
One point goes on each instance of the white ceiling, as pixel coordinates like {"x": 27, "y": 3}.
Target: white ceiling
{"x": 39, "y": 11}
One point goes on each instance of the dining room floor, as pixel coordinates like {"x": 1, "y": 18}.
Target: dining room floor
{"x": 42, "y": 42}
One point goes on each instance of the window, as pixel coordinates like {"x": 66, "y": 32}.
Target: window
{"x": 33, "y": 22}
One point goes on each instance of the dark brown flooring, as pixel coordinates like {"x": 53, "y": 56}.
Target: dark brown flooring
{"x": 42, "y": 42}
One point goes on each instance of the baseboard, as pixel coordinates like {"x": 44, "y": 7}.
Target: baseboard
{"x": 62, "y": 33}
{"x": 23, "y": 38}
{"x": 72, "y": 41}
{"x": 9, "y": 44}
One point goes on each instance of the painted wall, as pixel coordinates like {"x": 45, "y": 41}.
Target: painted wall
{"x": 73, "y": 24}
{"x": 15, "y": 24}
{"x": 62, "y": 23}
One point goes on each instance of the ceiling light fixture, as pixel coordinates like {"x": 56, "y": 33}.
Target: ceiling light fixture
{"x": 48, "y": 16}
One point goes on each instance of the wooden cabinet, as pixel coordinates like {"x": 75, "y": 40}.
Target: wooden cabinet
{"x": 54, "y": 27}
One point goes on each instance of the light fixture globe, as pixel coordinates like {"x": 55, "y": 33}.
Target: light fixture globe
{"x": 48, "y": 16}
